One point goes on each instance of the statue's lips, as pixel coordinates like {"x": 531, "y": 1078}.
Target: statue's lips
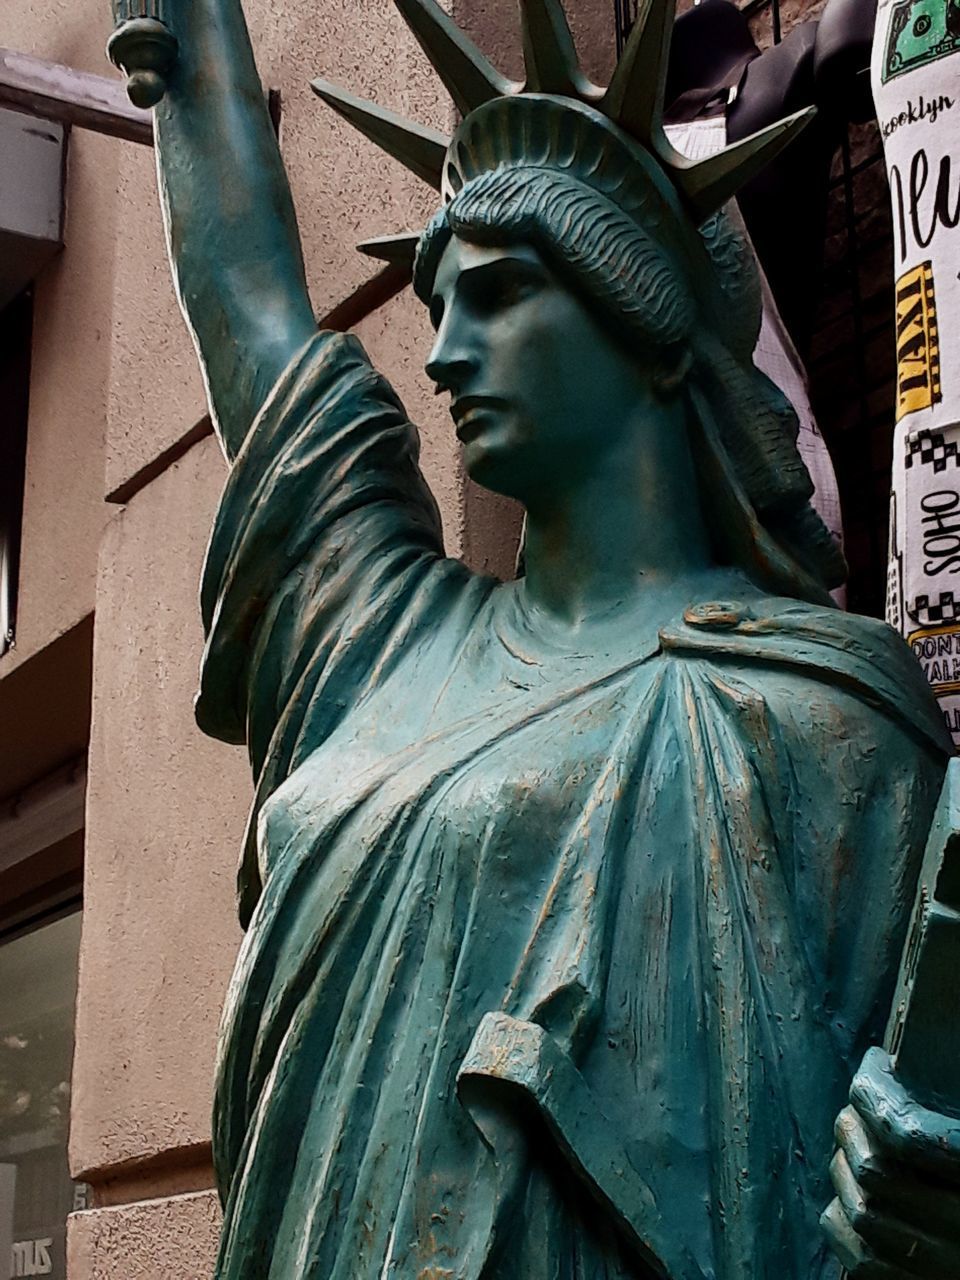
{"x": 470, "y": 413}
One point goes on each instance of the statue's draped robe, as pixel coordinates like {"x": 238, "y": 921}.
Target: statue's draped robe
{"x": 690, "y": 863}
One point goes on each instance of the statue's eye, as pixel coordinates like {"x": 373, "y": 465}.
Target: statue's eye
{"x": 516, "y": 290}
{"x": 502, "y": 289}
{"x": 922, "y": 25}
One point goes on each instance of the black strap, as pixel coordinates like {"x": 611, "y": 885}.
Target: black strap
{"x": 709, "y": 100}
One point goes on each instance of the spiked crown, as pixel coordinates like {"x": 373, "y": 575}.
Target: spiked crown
{"x": 501, "y": 121}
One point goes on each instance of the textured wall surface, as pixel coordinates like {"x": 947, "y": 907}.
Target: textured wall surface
{"x": 157, "y": 1239}
{"x": 165, "y": 814}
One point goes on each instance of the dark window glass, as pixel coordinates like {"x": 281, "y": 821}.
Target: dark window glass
{"x": 16, "y": 325}
{"x": 38, "y": 984}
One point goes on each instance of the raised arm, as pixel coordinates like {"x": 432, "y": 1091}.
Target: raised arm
{"x": 231, "y": 229}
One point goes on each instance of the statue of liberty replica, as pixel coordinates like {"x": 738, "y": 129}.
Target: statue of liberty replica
{"x": 573, "y": 904}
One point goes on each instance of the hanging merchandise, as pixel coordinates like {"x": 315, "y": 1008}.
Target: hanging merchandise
{"x": 775, "y": 353}
{"x": 916, "y": 86}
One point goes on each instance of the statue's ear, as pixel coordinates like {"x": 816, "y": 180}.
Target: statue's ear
{"x": 674, "y": 367}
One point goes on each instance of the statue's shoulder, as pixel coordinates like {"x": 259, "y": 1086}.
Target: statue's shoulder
{"x": 857, "y": 655}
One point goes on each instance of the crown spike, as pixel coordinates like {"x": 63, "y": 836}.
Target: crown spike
{"x": 634, "y": 98}
{"x": 467, "y": 75}
{"x": 709, "y": 184}
{"x": 399, "y": 250}
{"x": 420, "y": 149}
{"x": 549, "y": 54}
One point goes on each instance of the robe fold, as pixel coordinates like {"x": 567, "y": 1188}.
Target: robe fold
{"x": 682, "y": 871}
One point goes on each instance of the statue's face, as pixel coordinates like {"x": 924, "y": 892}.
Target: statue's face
{"x": 540, "y": 388}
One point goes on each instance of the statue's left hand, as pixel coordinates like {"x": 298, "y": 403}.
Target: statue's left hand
{"x": 897, "y": 1178}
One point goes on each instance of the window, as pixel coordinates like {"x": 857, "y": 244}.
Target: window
{"x": 38, "y": 982}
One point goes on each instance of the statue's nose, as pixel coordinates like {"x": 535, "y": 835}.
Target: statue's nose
{"x": 454, "y": 357}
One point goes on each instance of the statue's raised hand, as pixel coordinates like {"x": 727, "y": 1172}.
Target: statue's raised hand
{"x": 144, "y": 46}
{"x": 229, "y": 217}
{"x": 897, "y": 1178}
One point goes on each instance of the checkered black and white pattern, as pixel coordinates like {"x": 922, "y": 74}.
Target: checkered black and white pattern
{"x": 931, "y": 614}
{"x": 932, "y": 449}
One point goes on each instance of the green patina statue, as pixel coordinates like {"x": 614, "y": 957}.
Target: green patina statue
{"x": 573, "y": 903}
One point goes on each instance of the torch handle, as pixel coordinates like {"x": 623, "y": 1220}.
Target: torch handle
{"x": 144, "y": 47}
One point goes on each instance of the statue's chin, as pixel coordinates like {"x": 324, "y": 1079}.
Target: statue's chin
{"x": 498, "y": 469}
{"x": 518, "y": 459}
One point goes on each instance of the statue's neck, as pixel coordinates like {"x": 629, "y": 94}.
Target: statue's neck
{"x": 628, "y": 533}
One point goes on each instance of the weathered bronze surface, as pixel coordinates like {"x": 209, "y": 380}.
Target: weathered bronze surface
{"x": 572, "y": 903}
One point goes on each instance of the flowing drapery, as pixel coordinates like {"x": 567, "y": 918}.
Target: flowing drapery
{"x": 690, "y": 864}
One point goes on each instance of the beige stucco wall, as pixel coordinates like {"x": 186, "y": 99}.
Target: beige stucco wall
{"x": 165, "y": 814}
{"x": 162, "y": 1238}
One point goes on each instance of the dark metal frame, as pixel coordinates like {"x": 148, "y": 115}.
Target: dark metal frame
{"x": 16, "y": 326}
